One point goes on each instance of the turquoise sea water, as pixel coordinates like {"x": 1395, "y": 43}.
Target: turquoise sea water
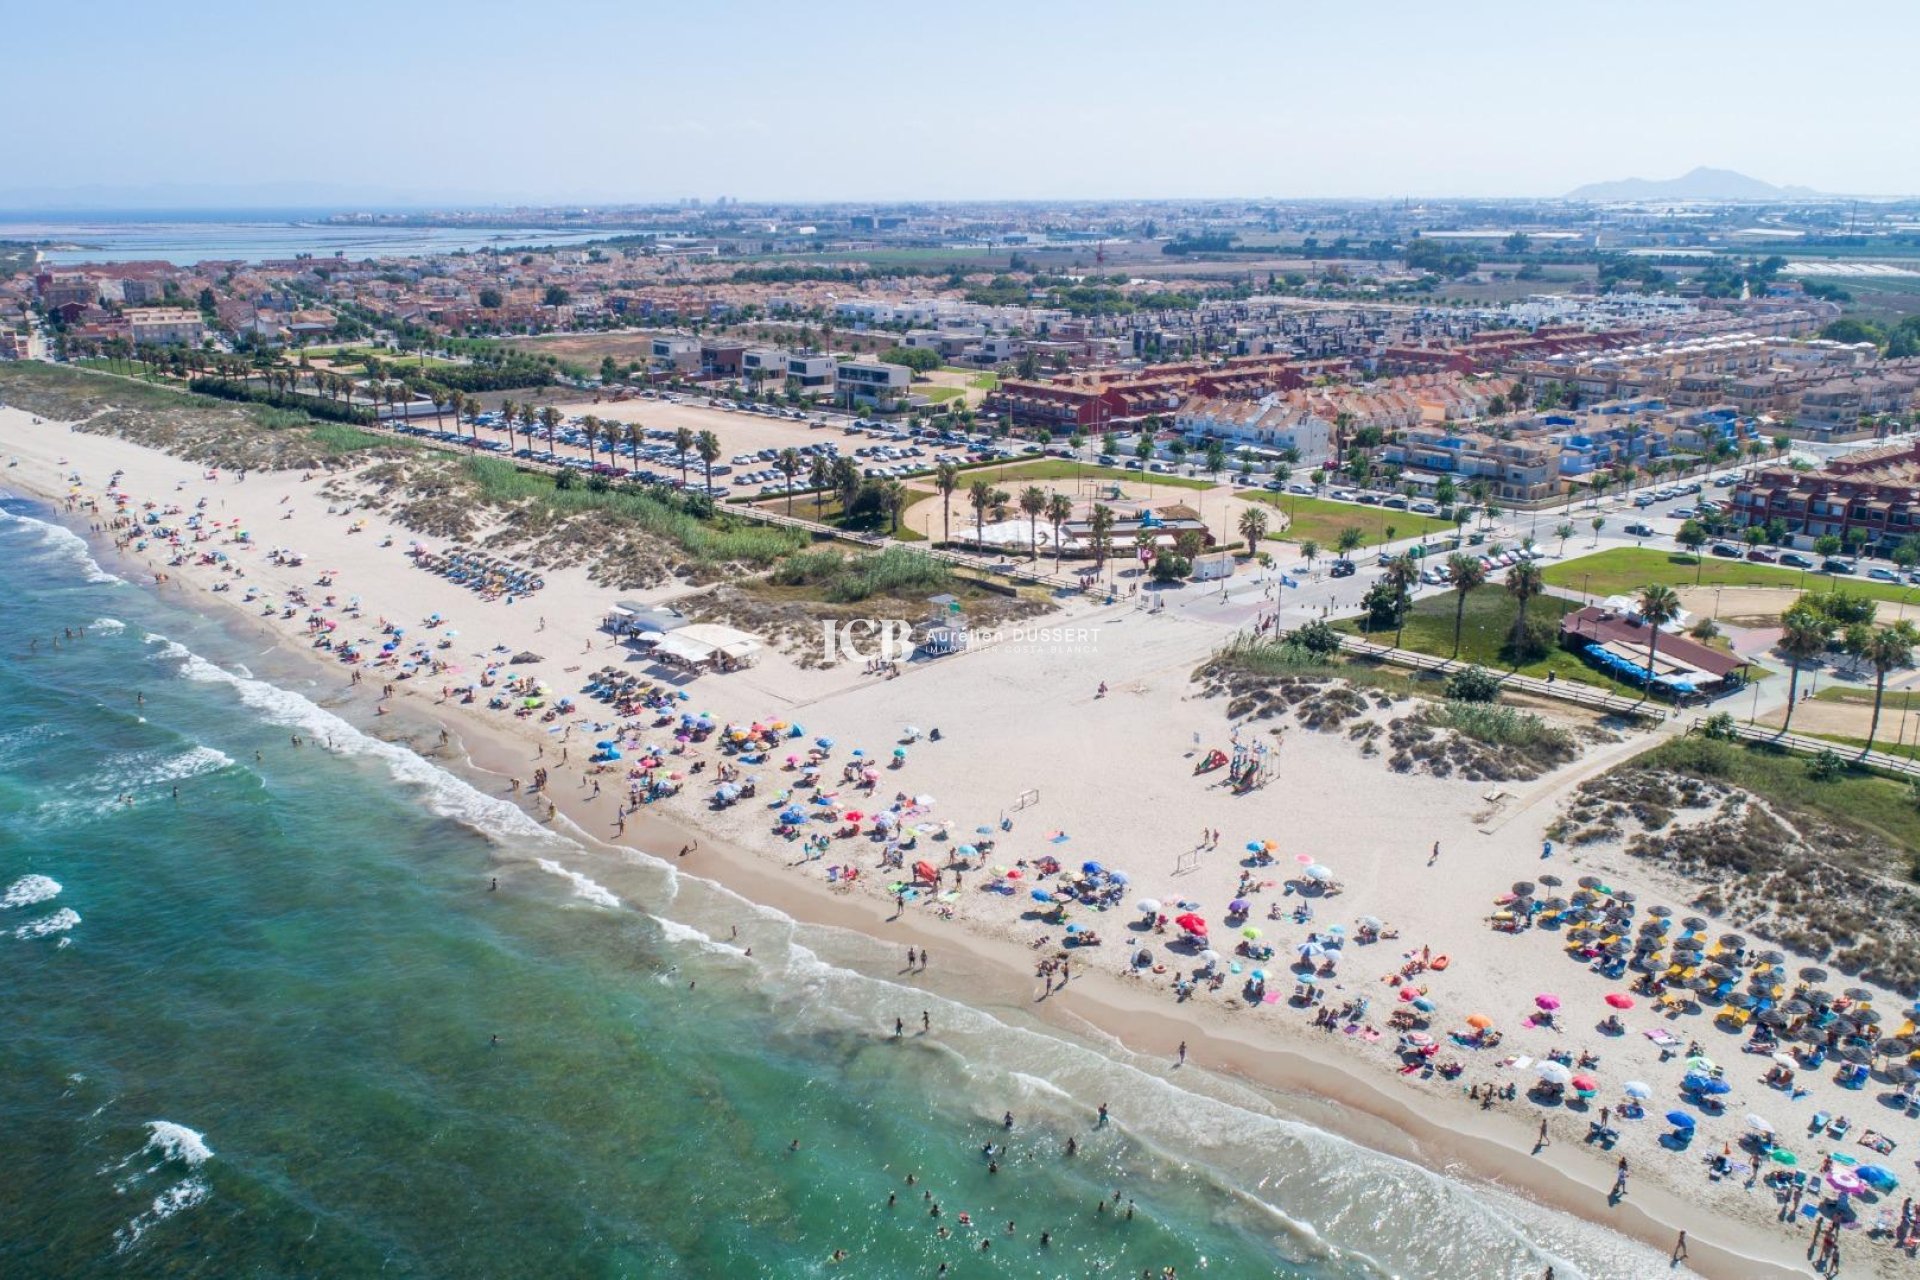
{"x": 248, "y": 1032}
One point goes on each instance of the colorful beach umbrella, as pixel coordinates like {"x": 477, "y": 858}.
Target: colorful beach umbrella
{"x": 1620, "y": 1000}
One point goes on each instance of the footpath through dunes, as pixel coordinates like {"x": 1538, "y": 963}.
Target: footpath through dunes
{"x": 1115, "y": 784}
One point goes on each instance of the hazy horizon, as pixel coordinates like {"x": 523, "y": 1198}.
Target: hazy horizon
{"x": 587, "y": 103}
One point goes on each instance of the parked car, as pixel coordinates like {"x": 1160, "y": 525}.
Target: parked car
{"x": 1833, "y": 564}
{"x": 1726, "y": 549}
{"x": 1879, "y": 574}
{"x": 1342, "y": 569}
{"x": 1795, "y": 559}
{"x": 1760, "y": 555}
{"x": 1640, "y": 530}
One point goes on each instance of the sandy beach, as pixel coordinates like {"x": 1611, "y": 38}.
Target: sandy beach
{"x": 1033, "y": 756}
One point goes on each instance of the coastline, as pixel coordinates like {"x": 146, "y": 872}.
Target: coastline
{"x": 1274, "y": 1058}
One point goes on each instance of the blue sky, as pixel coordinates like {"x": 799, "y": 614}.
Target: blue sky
{"x": 585, "y": 100}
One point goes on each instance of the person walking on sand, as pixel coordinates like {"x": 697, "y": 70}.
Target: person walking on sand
{"x": 1679, "y": 1249}
{"x": 1183, "y": 1054}
{"x": 1542, "y": 1140}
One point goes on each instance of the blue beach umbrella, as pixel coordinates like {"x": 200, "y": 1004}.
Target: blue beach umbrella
{"x": 1680, "y": 1120}
{"x": 1040, "y": 895}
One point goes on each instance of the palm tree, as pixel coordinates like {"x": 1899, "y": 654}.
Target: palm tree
{"x": 590, "y": 424}
{"x": 550, "y": 421}
{"x": 471, "y": 408}
{"x": 1804, "y": 637}
{"x": 1890, "y": 649}
{"x": 1100, "y": 527}
{"x": 980, "y": 497}
{"x": 1402, "y": 572}
{"x": 683, "y": 445}
{"x": 1253, "y": 527}
{"x": 1350, "y": 538}
{"x": 1563, "y": 531}
{"x": 819, "y": 472}
{"x": 1033, "y": 501}
{"x": 1598, "y": 523}
{"x": 1465, "y": 573}
{"x": 1309, "y": 549}
{"x": 1659, "y": 605}
{"x": 1059, "y": 511}
{"x": 529, "y": 415}
{"x": 946, "y": 478}
{"x": 789, "y": 467}
{"x": 1523, "y": 584}
{"x": 707, "y": 445}
{"x": 893, "y": 497}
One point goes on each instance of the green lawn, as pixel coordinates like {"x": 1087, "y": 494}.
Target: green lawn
{"x": 1321, "y": 521}
{"x": 940, "y": 395}
{"x": 979, "y": 380}
{"x": 1066, "y": 469}
{"x": 828, "y": 512}
{"x": 1487, "y": 623}
{"x": 1627, "y": 569}
{"x": 1884, "y": 743}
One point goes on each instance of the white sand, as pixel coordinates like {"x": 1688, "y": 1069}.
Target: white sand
{"x": 1116, "y": 774}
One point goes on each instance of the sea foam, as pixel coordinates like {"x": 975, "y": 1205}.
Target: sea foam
{"x": 63, "y": 541}
{"x": 583, "y": 886}
{"x": 177, "y": 1145}
{"x": 446, "y": 795}
{"x": 28, "y": 890}
{"x": 57, "y": 922}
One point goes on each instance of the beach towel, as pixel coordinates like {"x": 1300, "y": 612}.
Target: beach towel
{"x": 1662, "y": 1037}
{"x": 1877, "y": 1142}
{"x": 1058, "y": 837}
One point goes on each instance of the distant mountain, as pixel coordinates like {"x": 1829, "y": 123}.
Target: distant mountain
{"x": 1702, "y": 184}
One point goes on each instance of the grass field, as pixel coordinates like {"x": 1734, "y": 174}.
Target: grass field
{"x": 829, "y": 512}
{"x": 1064, "y": 469}
{"x": 1317, "y": 520}
{"x": 1487, "y": 623}
{"x": 1895, "y": 700}
{"x": 1625, "y": 570}
{"x": 940, "y": 395}
{"x": 977, "y": 379}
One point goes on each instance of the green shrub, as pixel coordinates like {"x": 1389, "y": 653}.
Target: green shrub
{"x": 1317, "y": 638}
{"x": 1501, "y": 726}
{"x": 1473, "y": 684}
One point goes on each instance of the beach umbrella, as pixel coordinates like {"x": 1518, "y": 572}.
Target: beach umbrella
{"x": 1254, "y": 846}
{"x": 1854, "y": 1052}
{"x": 1040, "y": 895}
{"x": 1780, "y": 1155}
{"x": 1700, "y": 1062}
{"x": 1813, "y": 973}
{"x": 1732, "y": 941}
{"x": 1192, "y": 923}
{"x": 1620, "y": 1000}
{"x": 1073, "y": 928}
{"x": 1759, "y": 1123}
{"x": 1547, "y": 1002}
{"x": 1147, "y": 906}
{"x": 1586, "y": 1084}
{"x": 1552, "y": 881}
{"x": 1250, "y": 933}
{"x": 1409, "y": 993}
{"x": 1858, "y": 993}
{"x": 1555, "y": 1072}
{"x": 1797, "y": 1008}
{"x": 1302, "y": 858}
{"x": 1740, "y": 1000}
{"x": 1589, "y": 882}
{"x": 1091, "y": 868}
{"x": 1637, "y": 1089}
{"x": 899, "y": 753}
{"x": 1310, "y": 949}
{"x": 1238, "y": 907}
{"x": 1318, "y": 872}
{"x": 1845, "y": 1181}
{"x": 1660, "y": 911}
{"x": 1625, "y": 895}
{"x": 1681, "y": 1120}
{"x": 1770, "y": 957}
{"x": 1424, "y": 1005}
{"x": 1554, "y": 904}
{"x": 1523, "y": 888}
{"x": 1368, "y": 922}
{"x": 1119, "y": 877}
{"x": 925, "y": 871}
{"x": 1715, "y": 1087}
{"x": 1694, "y": 922}
{"x": 983, "y": 831}
{"x": 1479, "y": 1021}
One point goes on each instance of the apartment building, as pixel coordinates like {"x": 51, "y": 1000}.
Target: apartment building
{"x": 1514, "y": 470}
{"x": 1877, "y": 490}
{"x": 1271, "y": 422}
{"x": 164, "y": 326}
{"x": 871, "y": 382}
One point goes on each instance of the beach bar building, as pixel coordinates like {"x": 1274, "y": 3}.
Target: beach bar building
{"x": 1615, "y": 640}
